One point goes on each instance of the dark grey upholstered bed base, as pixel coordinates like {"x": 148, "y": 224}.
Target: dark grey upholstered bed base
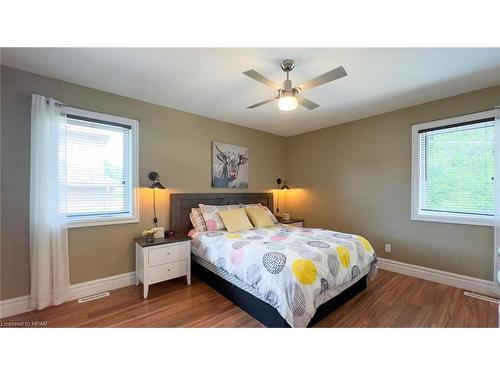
{"x": 180, "y": 207}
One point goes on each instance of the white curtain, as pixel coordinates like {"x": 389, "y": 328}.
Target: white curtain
{"x": 48, "y": 232}
{"x": 496, "y": 251}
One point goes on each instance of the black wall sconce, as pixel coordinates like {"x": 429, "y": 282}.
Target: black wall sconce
{"x": 155, "y": 177}
{"x": 280, "y": 187}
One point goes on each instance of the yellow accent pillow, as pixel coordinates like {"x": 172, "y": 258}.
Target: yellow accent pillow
{"x": 259, "y": 217}
{"x": 235, "y": 220}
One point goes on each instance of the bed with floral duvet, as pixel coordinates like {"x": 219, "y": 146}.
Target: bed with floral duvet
{"x": 293, "y": 269}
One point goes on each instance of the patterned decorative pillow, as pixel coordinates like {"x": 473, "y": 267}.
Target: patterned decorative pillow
{"x": 197, "y": 220}
{"x": 267, "y": 211}
{"x": 211, "y": 215}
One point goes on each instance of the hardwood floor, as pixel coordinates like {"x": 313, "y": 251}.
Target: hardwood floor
{"x": 391, "y": 300}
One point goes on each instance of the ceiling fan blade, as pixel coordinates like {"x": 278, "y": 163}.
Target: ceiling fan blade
{"x": 262, "y": 103}
{"x": 307, "y": 103}
{"x": 259, "y": 77}
{"x": 324, "y": 78}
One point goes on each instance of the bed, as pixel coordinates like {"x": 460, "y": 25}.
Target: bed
{"x": 283, "y": 276}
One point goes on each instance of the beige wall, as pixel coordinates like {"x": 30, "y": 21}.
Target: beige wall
{"x": 174, "y": 143}
{"x": 355, "y": 177}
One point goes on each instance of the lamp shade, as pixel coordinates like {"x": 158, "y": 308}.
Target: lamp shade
{"x": 155, "y": 177}
{"x": 287, "y": 103}
{"x": 156, "y": 185}
{"x": 284, "y": 187}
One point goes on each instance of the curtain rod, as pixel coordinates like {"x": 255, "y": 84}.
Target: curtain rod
{"x": 58, "y": 104}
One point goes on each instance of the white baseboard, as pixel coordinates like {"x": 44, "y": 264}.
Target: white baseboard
{"x": 21, "y": 304}
{"x": 14, "y": 306}
{"x": 453, "y": 279}
{"x": 100, "y": 285}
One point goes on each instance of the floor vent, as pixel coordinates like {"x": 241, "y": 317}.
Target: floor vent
{"x": 480, "y": 296}
{"x": 93, "y": 297}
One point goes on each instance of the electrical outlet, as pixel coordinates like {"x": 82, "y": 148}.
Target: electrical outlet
{"x": 388, "y": 248}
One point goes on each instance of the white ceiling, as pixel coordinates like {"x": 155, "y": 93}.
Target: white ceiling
{"x": 208, "y": 81}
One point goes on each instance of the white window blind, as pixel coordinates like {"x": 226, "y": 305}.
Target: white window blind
{"x": 457, "y": 169}
{"x": 98, "y": 169}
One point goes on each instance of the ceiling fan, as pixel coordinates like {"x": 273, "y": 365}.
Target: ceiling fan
{"x": 288, "y": 97}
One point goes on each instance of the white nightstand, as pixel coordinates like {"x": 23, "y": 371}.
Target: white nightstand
{"x": 163, "y": 259}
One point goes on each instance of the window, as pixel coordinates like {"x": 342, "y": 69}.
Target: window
{"x": 453, "y": 170}
{"x": 99, "y": 165}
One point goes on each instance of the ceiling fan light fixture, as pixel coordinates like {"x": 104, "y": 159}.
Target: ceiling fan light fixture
{"x": 287, "y": 102}
{"x": 287, "y": 94}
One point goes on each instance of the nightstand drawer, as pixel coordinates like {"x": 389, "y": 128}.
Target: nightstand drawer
{"x": 167, "y": 271}
{"x": 166, "y": 254}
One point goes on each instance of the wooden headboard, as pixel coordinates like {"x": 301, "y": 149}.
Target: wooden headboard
{"x": 181, "y": 204}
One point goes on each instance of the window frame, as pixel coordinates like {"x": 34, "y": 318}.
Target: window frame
{"x": 134, "y": 168}
{"x": 452, "y": 218}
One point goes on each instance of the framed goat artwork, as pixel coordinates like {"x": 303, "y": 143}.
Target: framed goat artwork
{"x": 229, "y": 166}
